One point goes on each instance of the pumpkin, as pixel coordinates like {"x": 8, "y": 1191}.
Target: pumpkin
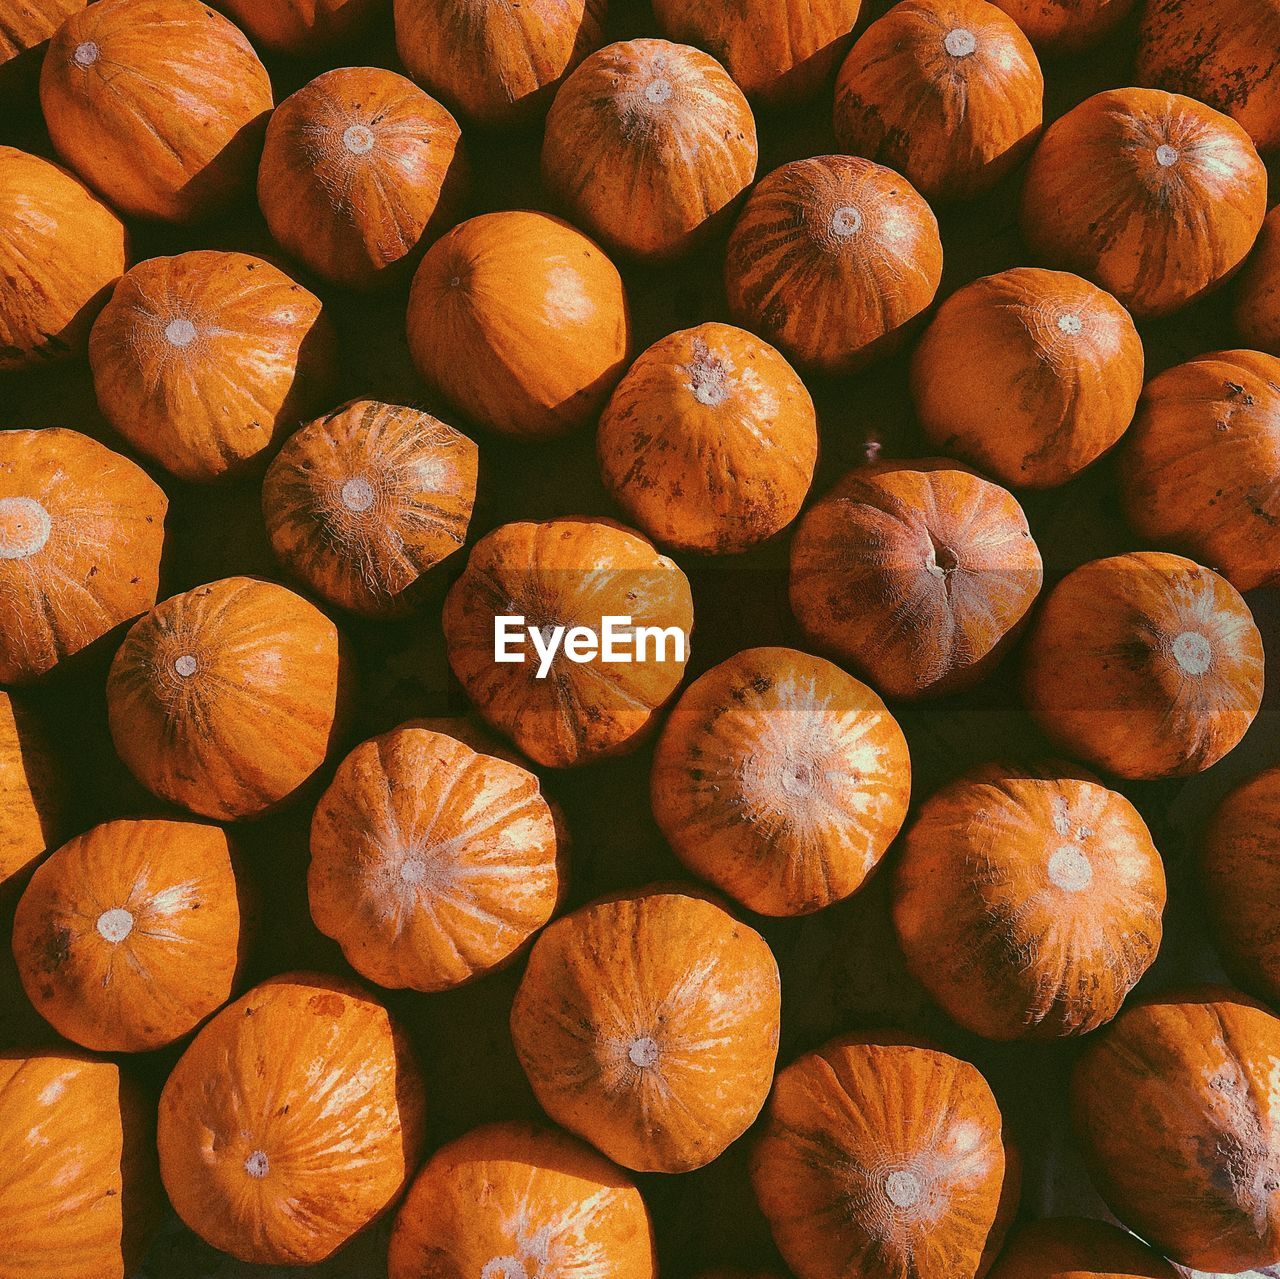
{"x": 509, "y": 1199}
{"x": 361, "y": 504}
{"x": 1257, "y": 310}
{"x": 917, "y": 573}
{"x": 648, "y": 145}
{"x": 1030, "y": 375}
{"x": 831, "y": 259}
{"x": 1028, "y": 901}
{"x": 25, "y": 28}
{"x": 521, "y": 322}
{"x": 33, "y": 794}
{"x": 302, "y": 27}
{"x": 1176, "y": 1110}
{"x": 659, "y": 1051}
{"x": 81, "y": 534}
{"x": 1146, "y": 665}
{"x": 948, "y": 92}
{"x": 1201, "y": 467}
{"x": 1066, "y": 26}
{"x": 1078, "y": 1248}
{"x": 780, "y": 779}
{"x": 710, "y": 440}
{"x": 571, "y": 574}
{"x": 226, "y": 699}
{"x": 292, "y": 1121}
{"x": 206, "y": 360}
{"x": 1153, "y": 196}
{"x": 158, "y": 104}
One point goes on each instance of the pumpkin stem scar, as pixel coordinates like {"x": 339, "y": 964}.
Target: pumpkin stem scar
{"x": 504, "y": 1268}
{"x": 903, "y": 1188}
{"x": 846, "y": 221}
{"x": 1069, "y": 869}
{"x": 257, "y": 1165}
{"x": 1193, "y": 652}
{"x": 1166, "y": 155}
{"x": 358, "y": 139}
{"x": 643, "y": 1052}
{"x": 709, "y": 380}
{"x": 797, "y": 777}
{"x": 185, "y": 665}
{"x": 85, "y": 54}
{"x": 115, "y": 925}
{"x": 1070, "y": 324}
{"x": 960, "y": 42}
{"x": 658, "y": 91}
{"x": 179, "y": 332}
{"x": 357, "y": 494}
{"x": 24, "y": 527}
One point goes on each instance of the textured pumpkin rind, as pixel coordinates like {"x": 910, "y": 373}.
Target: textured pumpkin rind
{"x": 1257, "y": 307}
{"x": 25, "y": 27}
{"x": 34, "y": 794}
{"x": 1078, "y": 1248}
{"x": 302, "y": 27}
{"x": 1066, "y": 26}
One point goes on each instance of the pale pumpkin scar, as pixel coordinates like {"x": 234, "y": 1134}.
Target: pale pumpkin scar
{"x": 179, "y": 332}
{"x": 357, "y": 494}
{"x": 358, "y": 139}
{"x": 657, "y": 91}
{"x": 85, "y": 54}
{"x": 846, "y": 221}
{"x": 185, "y": 665}
{"x": 643, "y": 1052}
{"x": 960, "y": 42}
{"x": 903, "y": 1188}
{"x": 1166, "y": 156}
{"x": 115, "y": 925}
{"x": 1069, "y": 869}
{"x": 1071, "y": 325}
{"x": 1193, "y": 652}
{"x": 257, "y": 1165}
{"x": 24, "y": 527}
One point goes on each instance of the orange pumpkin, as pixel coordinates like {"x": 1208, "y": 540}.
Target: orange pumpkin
{"x": 659, "y": 1051}
{"x": 227, "y": 699}
{"x": 159, "y": 104}
{"x": 1257, "y": 311}
{"x": 780, "y": 779}
{"x": 831, "y": 259}
{"x": 709, "y": 441}
{"x": 1078, "y": 1248}
{"x": 81, "y": 533}
{"x": 648, "y": 145}
{"x": 511, "y": 1199}
{"x": 292, "y": 1121}
{"x": 33, "y": 794}
{"x": 206, "y": 360}
{"x": 521, "y": 321}
{"x": 918, "y": 573}
{"x": 25, "y": 28}
{"x": 1066, "y": 26}
{"x": 571, "y": 574}
{"x": 363, "y": 502}
{"x": 1201, "y": 467}
{"x": 1178, "y": 1113}
{"x": 1146, "y": 665}
{"x": 302, "y": 27}
{"x": 1031, "y": 375}
{"x": 1153, "y": 196}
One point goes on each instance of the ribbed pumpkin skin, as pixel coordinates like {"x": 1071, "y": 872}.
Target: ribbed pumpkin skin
{"x": 1028, "y": 901}
{"x": 226, "y": 699}
{"x": 25, "y": 25}
{"x": 158, "y": 104}
{"x": 710, "y": 440}
{"x": 81, "y": 533}
{"x": 1146, "y": 665}
{"x": 512, "y": 1198}
{"x": 1078, "y": 1248}
{"x": 293, "y": 1120}
{"x": 648, "y": 145}
{"x": 206, "y": 360}
{"x": 1177, "y": 1109}
{"x": 33, "y": 794}
{"x": 780, "y": 779}
{"x": 566, "y": 572}
{"x": 1257, "y": 310}
{"x": 129, "y": 936}
{"x": 830, "y": 259}
{"x": 1066, "y": 26}
{"x": 301, "y": 27}
{"x": 1151, "y": 195}
{"x": 648, "y": 1024}
{"x": 1030, "y": 375}
{"x": 1201, "y": 466}
{"x": 948, "y": 92}
{"x": 362, "y": 503}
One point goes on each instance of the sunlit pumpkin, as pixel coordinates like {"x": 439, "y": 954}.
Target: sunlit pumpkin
{"x": 1066, "y": 26}
{"x": 25, "y": 28}
{"x": 1257, "y": 310}
{"x": 1078, "y": 1248}
{"x": 34, "y": 794}
{"x": 302, "y": 27}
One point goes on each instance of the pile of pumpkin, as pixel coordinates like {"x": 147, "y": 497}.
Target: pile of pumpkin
{"x": 1026, "y": 897}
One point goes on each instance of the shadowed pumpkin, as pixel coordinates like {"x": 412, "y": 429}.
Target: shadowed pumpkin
{"x": 1257, "y": 310}
{"x": 1078, "y": 1248}
{"x": 34, "y": 794}
{"x": 1066, "y": 26}
{"x": 302, "y": 28}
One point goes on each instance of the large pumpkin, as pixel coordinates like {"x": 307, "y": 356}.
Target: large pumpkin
{"x": 710, "y": 440}
{"x": 1030, "y": 375}
{"x": 659, "y": 1051}
{"x": 1146, "y": 665}
{"x": 302, "y": 27}
{"x": 159, "y": 104}
{"x": 206, "y": 360}
{"x": 293, "y": 1120}
{"x": 1066, "y": 26}
{"x": 81, "y": 533}
{"x": 1078, "y": 1248}
{"x": 34, "y": 794}
{"x": 831, "y": 259}
{"x": 648, "y": 145}
{"x": 1154, "y": 196}
{"x": 1257, "y": 310}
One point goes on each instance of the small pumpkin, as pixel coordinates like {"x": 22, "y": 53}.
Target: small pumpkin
{"x": 25, "y": 28}
{"x": 648, "y": 145}
{"x": 831, "y": 259}
{"x": 33, "y": 794}
{"x": 1066, "y": 26}
{"x": 302, "y": 27}
{"x": 1153, "y": 196}
{"x": 1078, "y": 1248}
{"x": 1257, "y": 310}
{"x": 1030, "y": 375}
{"x": 158, "y": 104}
{"x": 709, "y": 441}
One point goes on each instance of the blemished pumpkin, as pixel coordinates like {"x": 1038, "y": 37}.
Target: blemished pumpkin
{"x": 918, "y": 573}
{"x": 302, "y": 27}
{"x": 709, "y": 441}
{"x": 292, "y": 1122}
{"x": 206, "y": 360}
{"x": 521, "y": 321}
{"x": 781, "y": 780}
{"x": 1177, "y": 1114}
{"x": 34, "y": 794}
{"x": 1030, "y": 375}
{"x": 1145, "y": 665}
{"x": 831, "y": 259}
{"x": 81, "y": 534}
{"x": 158, "y": 104}
{"x": 659, "y": 1051}
{"x": 1201, "y": 467}
{"x": 1066, "y": 26}
{"x": 227, "y": 699}
{"x": 948, "y": 92}
{"x": 1077, "y": 1248}
{"x": 1257, "y": 309}
{"x": 361, "y": 504}
{"x": 1153, "y": 196}
{"x": 648, "y": 145}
